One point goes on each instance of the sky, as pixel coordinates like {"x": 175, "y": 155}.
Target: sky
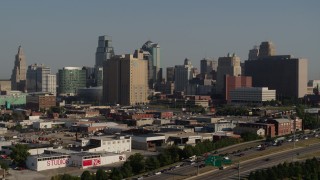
{"x": 65, "y": 33}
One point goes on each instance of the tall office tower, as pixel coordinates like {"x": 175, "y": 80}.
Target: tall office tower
{"x": 154, "y": 69}
{"x": 182, "y": 75}
{"x": 267, "y": 49}
{"x": 40, "y": 79}
{"x": 229, "y": 65}
{"x": 70, "y": 80}
{"x": 253, "y": 53}
{"x": 287, "y": 75}
{"x": 18, "y": 77}
{"x": 126, "y": 79}
{"x": 104, "y": 50}
{"x": 208, "y": 67}
{"x": 170, "y": 74}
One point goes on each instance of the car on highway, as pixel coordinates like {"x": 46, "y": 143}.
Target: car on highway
{"x": 222, "y": 167}
{"x": 240, "y": 154}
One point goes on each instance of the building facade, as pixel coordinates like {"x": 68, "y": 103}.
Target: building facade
{"x": 267, "y": 49}
{"x": 70, "y": 80}
{"x": 208, "y": 67}
{"x": 182, "y": 75}
{"x": 154, "y": 68}
{"x": 285, "y": 74}
{"x": 40, "y": 79}
{"x": 18, "y": 77}
{"x": 39, "y": 101}
{"x": 234, "y": 82}
{"x": 5, "y": 85}
{"x": 126, "y": 80}
{"x": 229, "y": 65}
{"x": 255, "y": 95}
{"x": 170, "y": 74}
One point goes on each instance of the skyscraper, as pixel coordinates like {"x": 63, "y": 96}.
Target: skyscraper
{"x": 208, "y": 67}
{"x": 18, "y": 77}
{"x": 253, "y": 53}
{"x": 229, "y": 65}
{"x": 154, "y": 69}
{"x": 40, "y": 79}
{"x": 287, "y": 75}
{"x": 104, "y": 50}
{"x": 182, "y": 75}
{"x": 71, "y": 79}
{"x": 170, "y": 74}
{"x": 267, "y": 49}
{"x": 126, "y": 80}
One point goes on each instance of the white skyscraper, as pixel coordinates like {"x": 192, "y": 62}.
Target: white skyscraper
{"x": 40, "y": 79}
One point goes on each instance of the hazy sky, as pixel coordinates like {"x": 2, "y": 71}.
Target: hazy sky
{"x": 65, "y": 33}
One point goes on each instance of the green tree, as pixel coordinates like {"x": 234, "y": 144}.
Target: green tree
{"x": 188, "y": 151}
{"x": 4, "y": 166}
{"x": 19, "y": 154}
{"x": 116, "y": 174}
{"x": 101, "y": 175}
{"x": 137, "y": 163}
{"x": 249, "y": 136}
{"x": 86, "y": 175}
{"x": 152, "y": 163}
{"x": 164, "y": 158}
{"x": 126, "y": 169}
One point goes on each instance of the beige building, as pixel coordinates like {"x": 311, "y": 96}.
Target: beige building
{"x": 229, "y": 65}
{"x": 5, "y": 85}
{"x": 19, "y": 72}
{"x": 126, "y": 79}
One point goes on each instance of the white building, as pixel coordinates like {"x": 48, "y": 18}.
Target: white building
{"x": 83, "y": 160}
{"x": 252, "y": 95}
{"x": 112, "y": 144}
{"x": 40, "y": 79}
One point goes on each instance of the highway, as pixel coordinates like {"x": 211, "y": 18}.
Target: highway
{"x": 245, "y": 167}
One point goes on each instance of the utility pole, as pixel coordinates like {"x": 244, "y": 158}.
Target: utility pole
{"x": 294, "y": 133}
{"x": 239, "y": 170}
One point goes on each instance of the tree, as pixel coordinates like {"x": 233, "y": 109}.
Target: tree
{"x": 4, "y": 166}
{"x": 249, "y": 136}
{"x": 188, "y": 151}
{"x": 126, "y": 169}
{"x": 152, "y": 163}
{"x": 165, "y": 159}
{"x": 101, "y": 175}
{"x": 19, "y": 154}
{"x": 116, "y": 174}
{"x": 86, "y": 175}
{"x": 137, "y": 163}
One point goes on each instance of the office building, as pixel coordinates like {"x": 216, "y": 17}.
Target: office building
{"x": 154, "y": 69}
{"x": 234, "y": 82}
{"x": 208, "y": 67}
{"x": 70, "y": 80}
{"x": 104, "y": 50}
{"x": 40, "y": 79}
{"x": 18, "y": 77}
{"x": 170, "y": 74}
{"x": 182, "y": 75}
{"x": 126, "y": 79}
{"x": 229, "y": 65}
{"x": 267, "y": 49}
{"x": 285, "y": 74}
{"x": 38, "y": 101}
{"x": 253, "y": 53}
{"x": 251, "y": 95}
{"x": 5, "y": 85}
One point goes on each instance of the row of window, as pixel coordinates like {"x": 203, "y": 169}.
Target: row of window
{"x": 51, "y": 158}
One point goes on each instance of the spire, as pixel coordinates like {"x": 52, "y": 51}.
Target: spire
{"x": 20, "y": 51}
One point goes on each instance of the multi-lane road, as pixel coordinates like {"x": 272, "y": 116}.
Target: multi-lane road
{"x": 245, "y": 166}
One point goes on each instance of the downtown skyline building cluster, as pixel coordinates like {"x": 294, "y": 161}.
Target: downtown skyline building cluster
{"x": 134, "y": 78}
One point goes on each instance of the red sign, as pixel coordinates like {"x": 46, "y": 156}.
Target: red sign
{"x": 87, "y": 162}
{"x": 55, "y": 162}
{"x": 96, "y": 162}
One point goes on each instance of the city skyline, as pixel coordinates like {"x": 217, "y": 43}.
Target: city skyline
{"x": 66, "y": 35}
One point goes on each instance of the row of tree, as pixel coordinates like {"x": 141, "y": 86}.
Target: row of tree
{"x": 308, "y": 170}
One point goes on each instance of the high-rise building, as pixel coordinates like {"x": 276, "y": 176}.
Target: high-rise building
{"x": 182, "y": 75}
{"x": 253, "y": 53}
{"x": 40, "y": 79}
{"x": 208, "y": 67}
{"x": 234, "y": 82}
{"x": 126, "y": 79}
{"x": 18, "y": 77}
{"x": 267, "y": 49}
{"x": 287, "y": 75}
{"x": 154, "y": 69}
{"x": 70, "y": 80}
{"x": 104, "y": 50}
{"x": 229, "y": 65}
{"x": 170, "y": 74}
